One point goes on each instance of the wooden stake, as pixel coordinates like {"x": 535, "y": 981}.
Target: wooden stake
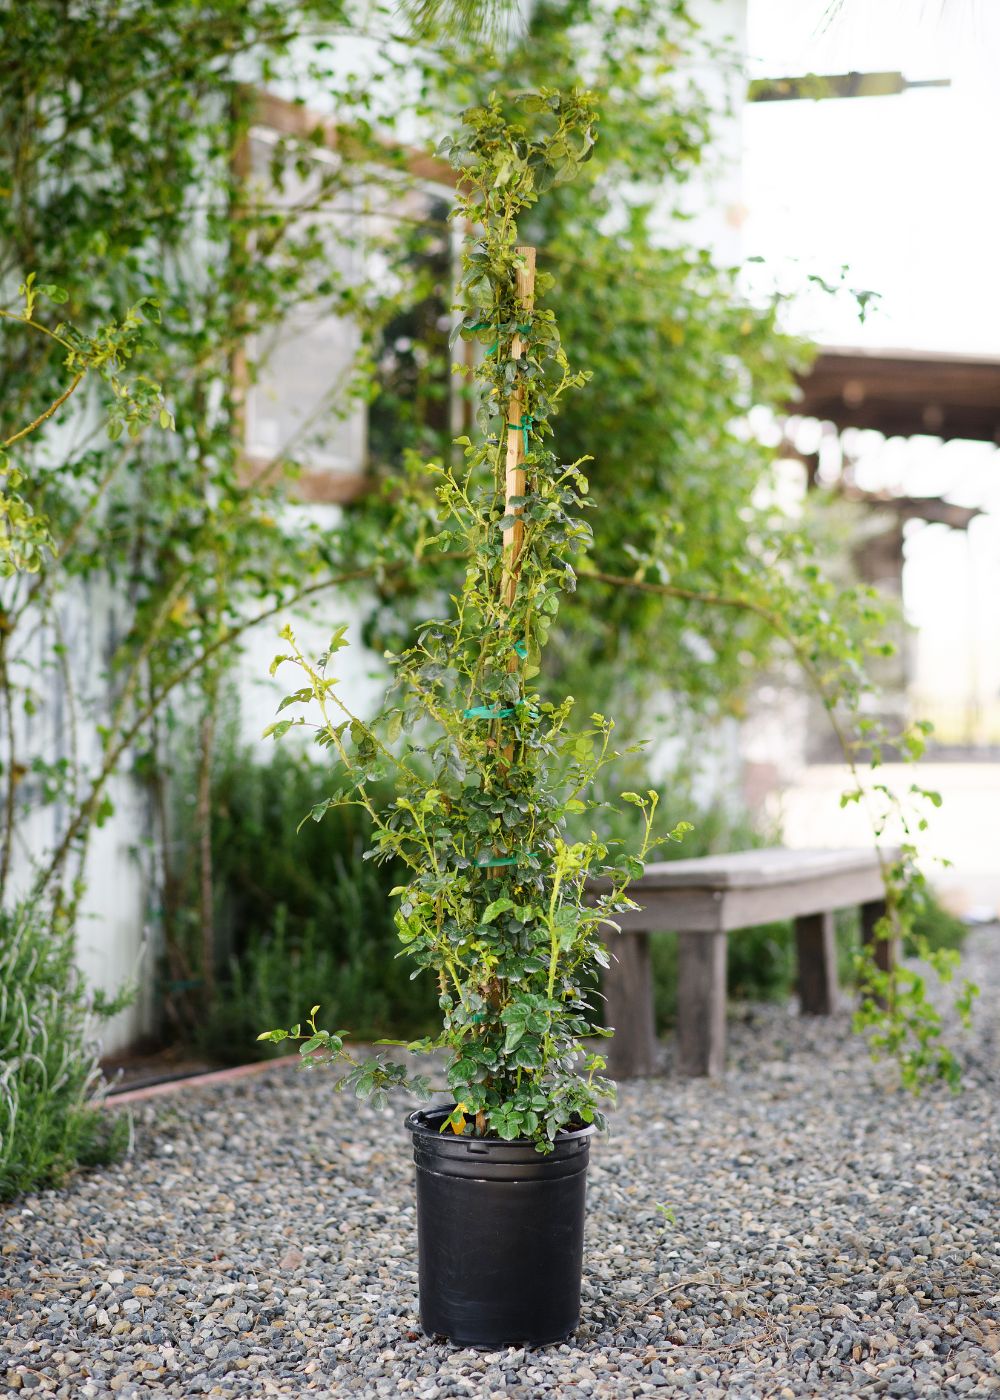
{"x": 513, "y": 537}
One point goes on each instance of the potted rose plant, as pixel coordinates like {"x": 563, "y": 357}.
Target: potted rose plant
{"x": 489, "y": 772}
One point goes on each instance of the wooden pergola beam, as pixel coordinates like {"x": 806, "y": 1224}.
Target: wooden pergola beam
{"x": 903, "y": 393}
{"x": 930, "y": 508}
{"x": 818, "y": 87}
{"x": 296, "y": 120}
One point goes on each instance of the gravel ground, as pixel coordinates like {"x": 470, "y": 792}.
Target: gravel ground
{"x": 831, "y": 1236}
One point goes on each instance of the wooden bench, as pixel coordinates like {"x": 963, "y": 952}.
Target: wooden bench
{"x": 703, "y": 901}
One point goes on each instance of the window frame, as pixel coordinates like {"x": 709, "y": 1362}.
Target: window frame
{"x": 326, "y": 485}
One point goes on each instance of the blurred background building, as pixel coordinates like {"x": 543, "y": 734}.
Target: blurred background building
{"x": 887, "y": 194}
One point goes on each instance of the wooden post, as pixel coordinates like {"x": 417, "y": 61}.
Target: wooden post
{"x": 886, "y": 949}
{"x": 816, "y": 945}
{"x": 513, "y": 536}
{"x": 701, "y": 1004}
{"x": 628, "y": 1006}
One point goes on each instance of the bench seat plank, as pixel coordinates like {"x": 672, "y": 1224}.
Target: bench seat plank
{"x": 771, "y": 865}
{"x": 700, "y": 908}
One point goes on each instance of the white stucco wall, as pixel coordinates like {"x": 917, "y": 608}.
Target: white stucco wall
{"x": 713, "y": 206}
{"x": 116, "y": 943}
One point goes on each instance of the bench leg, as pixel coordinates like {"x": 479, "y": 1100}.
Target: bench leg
{"x": 628, "y": 997}
{"x": 886, "y": 949}
{"x": 816, "y": 945}
{"x": 701, "y": 1004}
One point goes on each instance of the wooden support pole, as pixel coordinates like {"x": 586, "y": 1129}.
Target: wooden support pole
{"x": 513, "y": 536}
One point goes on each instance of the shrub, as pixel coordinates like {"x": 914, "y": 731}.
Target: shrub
{"x": 935, "y": 925}
{"x": 50, "y": 1116}
{"x": 303, "y": 918}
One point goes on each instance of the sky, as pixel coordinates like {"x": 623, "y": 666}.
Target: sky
{"x": 905, "y": 191}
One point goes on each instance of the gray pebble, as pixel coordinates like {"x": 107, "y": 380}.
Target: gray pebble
{"x": 833, "y": 1237}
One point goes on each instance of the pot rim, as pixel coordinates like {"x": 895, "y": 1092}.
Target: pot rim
{"x": 415, "y": 1123}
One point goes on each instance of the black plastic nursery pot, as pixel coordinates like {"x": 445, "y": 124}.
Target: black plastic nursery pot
{"x": 499, "y": 1235}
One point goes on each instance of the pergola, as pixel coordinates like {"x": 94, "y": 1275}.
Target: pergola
{"x": 899, "y": 393}
{"x": 904, "y": 393}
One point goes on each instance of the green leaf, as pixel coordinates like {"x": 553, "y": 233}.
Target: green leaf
{"x": 278, "y": 728}
{"x": 300, "y": 697}
{"x": 498, "y": 906}
{"x": 515, "y": 1033}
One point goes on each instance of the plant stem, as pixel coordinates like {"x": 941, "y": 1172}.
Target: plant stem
{"x": 53, "y": 407}
{"x": 206, "y": 893}
{"x": 11, "y": 775}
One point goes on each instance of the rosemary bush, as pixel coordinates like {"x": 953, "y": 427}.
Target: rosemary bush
{"x": 300, "y": 913}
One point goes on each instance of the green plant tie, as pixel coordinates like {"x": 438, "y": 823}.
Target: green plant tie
{"x": 485, "y": 325}
{"x": 525, "y": 426}
{"x": 498, "y": 711}
{"x": 483, "y": 861}
{"x": 521, "y": 649}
